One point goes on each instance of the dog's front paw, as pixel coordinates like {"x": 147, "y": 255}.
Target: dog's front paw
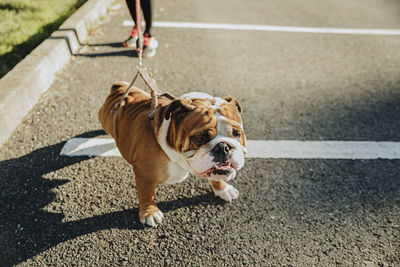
{"x": 228, "y": 193}
{"x": 151, "y": 218}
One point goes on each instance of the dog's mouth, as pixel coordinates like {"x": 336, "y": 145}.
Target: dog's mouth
{"x": 219, "y": 170}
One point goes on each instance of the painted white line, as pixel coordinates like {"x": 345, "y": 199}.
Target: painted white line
{"x": 268, "y": 28}
{"x": 324, "y": 149}
{"x": 262, "y": 149}
{"x": 103, "y": 147}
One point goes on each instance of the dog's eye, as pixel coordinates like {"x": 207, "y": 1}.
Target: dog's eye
{"x": 236, "y": 134}
{"x": 200, "y": 139}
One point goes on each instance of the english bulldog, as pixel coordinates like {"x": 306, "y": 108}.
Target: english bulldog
{"x": 195, "y": 133}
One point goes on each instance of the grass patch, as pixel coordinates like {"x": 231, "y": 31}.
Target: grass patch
{"x": 24, "y": 24}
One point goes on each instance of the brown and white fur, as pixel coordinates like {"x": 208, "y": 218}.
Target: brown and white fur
{"x": 195, "y": 133}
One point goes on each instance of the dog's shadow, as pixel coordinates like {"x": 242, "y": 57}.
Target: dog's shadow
{"x": 26, "y": 229}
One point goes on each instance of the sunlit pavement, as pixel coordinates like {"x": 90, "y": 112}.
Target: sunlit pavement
{"x": 83, "y": 211}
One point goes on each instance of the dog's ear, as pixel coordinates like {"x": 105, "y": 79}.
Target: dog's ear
{"x": 178, "y": 106}
{"x": 231, "y": 99}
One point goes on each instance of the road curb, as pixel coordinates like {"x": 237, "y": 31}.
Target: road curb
{"x": 20, "y": 88}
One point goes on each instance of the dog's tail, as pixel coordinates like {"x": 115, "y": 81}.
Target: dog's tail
{"x": 105, "y": 114}
{"x": 118, "y": 85}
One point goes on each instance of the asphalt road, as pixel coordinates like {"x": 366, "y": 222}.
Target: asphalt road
{"x": 82, "y": 211}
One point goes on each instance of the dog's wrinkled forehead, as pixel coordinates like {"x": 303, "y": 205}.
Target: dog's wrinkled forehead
{"x": 224, "y": 106}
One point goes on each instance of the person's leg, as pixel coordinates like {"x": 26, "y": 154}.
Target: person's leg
{"x": 132, "y": 8}
{"x": 133, "y": 35}
{"x": 150, "y": 43}
{"x": 147, "y": 14}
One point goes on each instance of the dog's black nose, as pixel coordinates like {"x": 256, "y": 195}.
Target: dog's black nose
{"x": 222, "y": 148}
{"x": 221, "y": 152}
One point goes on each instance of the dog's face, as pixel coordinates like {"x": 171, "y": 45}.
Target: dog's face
{"x": 206, "y": 134}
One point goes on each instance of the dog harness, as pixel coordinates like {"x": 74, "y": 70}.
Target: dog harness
{"x": 154, "y": 92}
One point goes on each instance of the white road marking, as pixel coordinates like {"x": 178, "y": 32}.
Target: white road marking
{"x": 324, "y": 149}
{"x": 290, "y": 149}
{"x": 103, "y": 147}
{"x": 267, "y": 28}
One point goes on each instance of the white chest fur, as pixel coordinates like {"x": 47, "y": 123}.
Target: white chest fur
{"x": 176, "y": 174}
